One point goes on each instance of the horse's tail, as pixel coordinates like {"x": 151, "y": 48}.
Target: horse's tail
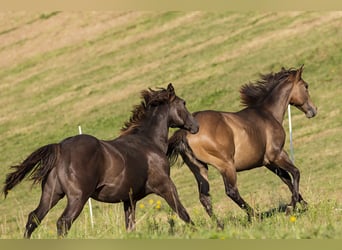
{"x": 37, "y": 165}
{"x": 178, "y": 145}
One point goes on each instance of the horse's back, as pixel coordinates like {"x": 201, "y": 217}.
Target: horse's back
{"x": 81, "y": 142}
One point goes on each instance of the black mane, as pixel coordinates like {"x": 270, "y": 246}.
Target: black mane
{"x": 150, "y": 98}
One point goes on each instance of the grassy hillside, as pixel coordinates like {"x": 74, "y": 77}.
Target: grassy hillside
{"x": 59, "y": 70}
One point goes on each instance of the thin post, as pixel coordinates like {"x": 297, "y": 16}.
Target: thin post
{"x": 290, "y": 132}
{"x": 89, "y": 200}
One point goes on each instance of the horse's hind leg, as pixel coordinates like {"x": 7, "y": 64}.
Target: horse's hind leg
{"x": 74, "y": 207}
{"x": 51, "y": 194}
{"x": 228, "y": 173}
{"x": 200, "y": 171}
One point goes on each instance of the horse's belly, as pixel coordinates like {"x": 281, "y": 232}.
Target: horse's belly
{"x": 110, "y": 194}
{"x": 247, "y": 166}
{"x": 249, "y": 156}
{"x": 114, "y": 194}
{"x": 246, "y": 160}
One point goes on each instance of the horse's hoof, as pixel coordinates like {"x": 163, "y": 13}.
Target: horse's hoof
{"x": 220, "y": 225}
{"x": 254, "y": 217}
{"x": 289, "y": 210}
{"x": 261, "y": 216}
{"x": 304, "y": 205}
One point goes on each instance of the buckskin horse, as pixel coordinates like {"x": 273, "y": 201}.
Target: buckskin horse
{"x": 243, "y": 140}
{"x": 125, "y": 169}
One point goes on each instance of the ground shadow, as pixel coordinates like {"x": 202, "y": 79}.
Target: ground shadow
{"x": 283, "y": 208}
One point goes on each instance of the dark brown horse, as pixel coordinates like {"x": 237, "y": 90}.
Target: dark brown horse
{"x": 250, "y": 138}
{"x": 125, "y": 169}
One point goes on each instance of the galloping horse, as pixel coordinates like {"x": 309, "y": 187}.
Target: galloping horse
{"x": 250, "y": 138}
{"x": 125, "y": 169}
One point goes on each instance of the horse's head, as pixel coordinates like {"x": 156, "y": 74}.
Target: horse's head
{"x": 179, "y": 116}
{"x": 300, "y": 96}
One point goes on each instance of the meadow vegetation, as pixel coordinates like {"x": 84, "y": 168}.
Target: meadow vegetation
{"x": 59, "y": 70}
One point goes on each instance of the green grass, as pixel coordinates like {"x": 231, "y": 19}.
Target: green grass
{"x": 62, "y": 69}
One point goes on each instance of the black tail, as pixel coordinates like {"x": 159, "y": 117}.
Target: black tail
{"x": 178, "y": 145}
{"x": 39, "y": 163}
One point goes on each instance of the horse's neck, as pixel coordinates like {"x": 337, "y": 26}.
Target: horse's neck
{"x": 278, "y": 100}
{"x": 155, "y": 126}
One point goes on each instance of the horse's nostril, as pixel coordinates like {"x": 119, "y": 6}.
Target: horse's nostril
{"x": 311, "y": 113}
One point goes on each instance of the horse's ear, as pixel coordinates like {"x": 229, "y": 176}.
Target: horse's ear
{"x": 171, "y": 91}
{"x": 170, "y": 88}
{"x": 299, "y": 72}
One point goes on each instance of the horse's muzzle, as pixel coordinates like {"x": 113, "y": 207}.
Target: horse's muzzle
{"x": 193, "y": 127}
{"x": 312, "y": 112}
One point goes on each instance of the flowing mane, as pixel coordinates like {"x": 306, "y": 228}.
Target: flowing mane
{"x": 253, "y": 94}
{"x": 150, "y": 98}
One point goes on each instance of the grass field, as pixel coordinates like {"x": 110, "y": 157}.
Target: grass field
{"x": 59, "y": 70}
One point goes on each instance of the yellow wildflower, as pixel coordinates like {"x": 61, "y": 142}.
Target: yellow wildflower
{"x": 173, "y": 217}
{"x": 158, "y": 204}
{"x": 141, "y": 205}
{"x": 151, "y": 201}
{"x": 293, "y": 219}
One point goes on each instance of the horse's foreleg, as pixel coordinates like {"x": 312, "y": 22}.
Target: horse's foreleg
{"x": 129, "y": 208}
{"x": 284, "y": 162}
{"x": 286, "y": 178}
{"x": 167, "y": 190}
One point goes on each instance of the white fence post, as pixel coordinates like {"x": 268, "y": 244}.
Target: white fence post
{"x": 89, "y": 200}
{"x": 290, "y": 132}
